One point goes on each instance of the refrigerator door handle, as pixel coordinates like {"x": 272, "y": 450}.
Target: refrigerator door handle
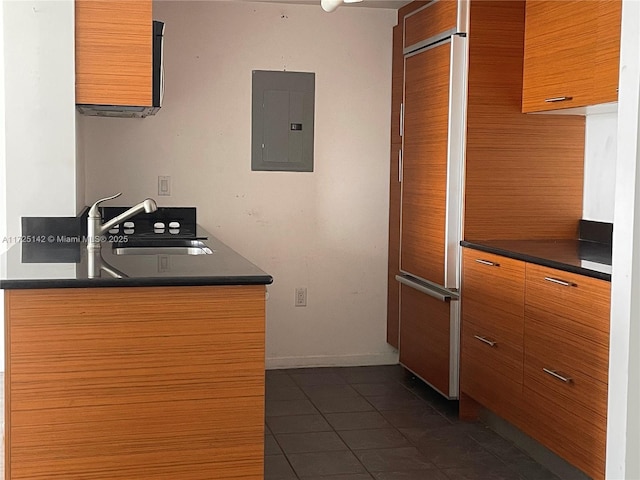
{"x": 438, "y": 294}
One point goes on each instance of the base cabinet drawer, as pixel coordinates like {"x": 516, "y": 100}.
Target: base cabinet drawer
{"x": 553, "y": 339}
{"x": 491, "y": 365}
{"x": 495, "y": 355}
{"x": 566, "y": 432}
{"x": 582, "y": 299}
{"x": 495, "y": 286}
{"x": 425, "y": 337}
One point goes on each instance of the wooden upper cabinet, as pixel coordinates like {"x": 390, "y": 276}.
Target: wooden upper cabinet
{"x": 426, "y": 24}
{"x": 114, "y": 41}
{"x": 607, "y": 62}
{"x": 571, "y": 53}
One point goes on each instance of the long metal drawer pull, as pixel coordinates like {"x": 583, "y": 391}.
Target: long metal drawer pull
{"x": 484, "y": 340}
{"x": 487, "y": 262}
{"x": 400, "y": 166}
{"x": 557, "y": 99}
{"x": 560, "y": 282}
{"x": 555, "y": 374}
{"x": 443, "y": 297}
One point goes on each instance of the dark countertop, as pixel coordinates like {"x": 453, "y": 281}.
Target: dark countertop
{"x": 578, "y": 256}
{"x": 43, "y": 264}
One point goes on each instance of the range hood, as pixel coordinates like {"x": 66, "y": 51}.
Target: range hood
{"x": 122, "y": 111}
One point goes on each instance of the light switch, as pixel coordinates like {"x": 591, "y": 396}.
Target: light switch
{"x": 164, "y": 186}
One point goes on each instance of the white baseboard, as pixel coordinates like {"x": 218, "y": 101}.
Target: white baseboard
{"x": 382, "y": 358}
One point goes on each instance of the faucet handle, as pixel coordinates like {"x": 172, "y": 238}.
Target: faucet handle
{"x": 93, "y": 211}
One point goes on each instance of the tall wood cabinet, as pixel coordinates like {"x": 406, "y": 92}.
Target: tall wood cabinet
{"x": 393, "y": 288}
{"x": 432, "y": 122}
{"x": 114, "y": 41}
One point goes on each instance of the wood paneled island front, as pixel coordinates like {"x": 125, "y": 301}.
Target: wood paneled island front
{"x": 149, "y": 382}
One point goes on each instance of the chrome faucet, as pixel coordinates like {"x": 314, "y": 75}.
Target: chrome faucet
{"x": 96, "y": 265}
{"x": 95, "y": 228}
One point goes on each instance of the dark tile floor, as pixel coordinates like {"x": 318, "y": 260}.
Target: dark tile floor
{"x": 363, "y": 423}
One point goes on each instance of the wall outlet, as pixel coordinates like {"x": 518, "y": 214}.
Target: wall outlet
{"x": 301, "y": 297}
{"x": 164, "y": 186}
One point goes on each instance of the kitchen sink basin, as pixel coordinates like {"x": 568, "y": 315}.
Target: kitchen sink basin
{"x": 173, "y": 247}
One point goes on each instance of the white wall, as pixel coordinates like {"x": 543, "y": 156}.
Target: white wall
{"x": 81, "y": 202}
{"x": 623, "y": 422}
{"x": 600, "y": 166}
{"x": 325, "y": 230}
{"x": 39, "y": 111}
{"x": 3, "y": 177}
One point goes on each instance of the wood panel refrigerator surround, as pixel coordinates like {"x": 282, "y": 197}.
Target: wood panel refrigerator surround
{"x": 432, "y": 162}
{"x": 433, "y": 130}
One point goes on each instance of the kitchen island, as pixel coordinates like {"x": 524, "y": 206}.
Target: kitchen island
{"x": 158, "y": 374}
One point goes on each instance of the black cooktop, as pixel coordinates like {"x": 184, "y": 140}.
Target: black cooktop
{"x": 164, "y": 223}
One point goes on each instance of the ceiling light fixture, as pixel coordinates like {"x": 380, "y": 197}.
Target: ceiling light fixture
{"x": 331, "y": 5}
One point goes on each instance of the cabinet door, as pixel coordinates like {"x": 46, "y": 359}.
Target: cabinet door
{"x": 559, "y": 48}
{"x": 607, "y": 61}
{"x": 424, "y": 25}
{"x": 114, "y": 52}
{"x": 425, "y": 337}
{"x": 424, "y": 174}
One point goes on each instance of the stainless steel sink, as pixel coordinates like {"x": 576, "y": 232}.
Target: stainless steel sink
{"x": 174, "y": 247}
